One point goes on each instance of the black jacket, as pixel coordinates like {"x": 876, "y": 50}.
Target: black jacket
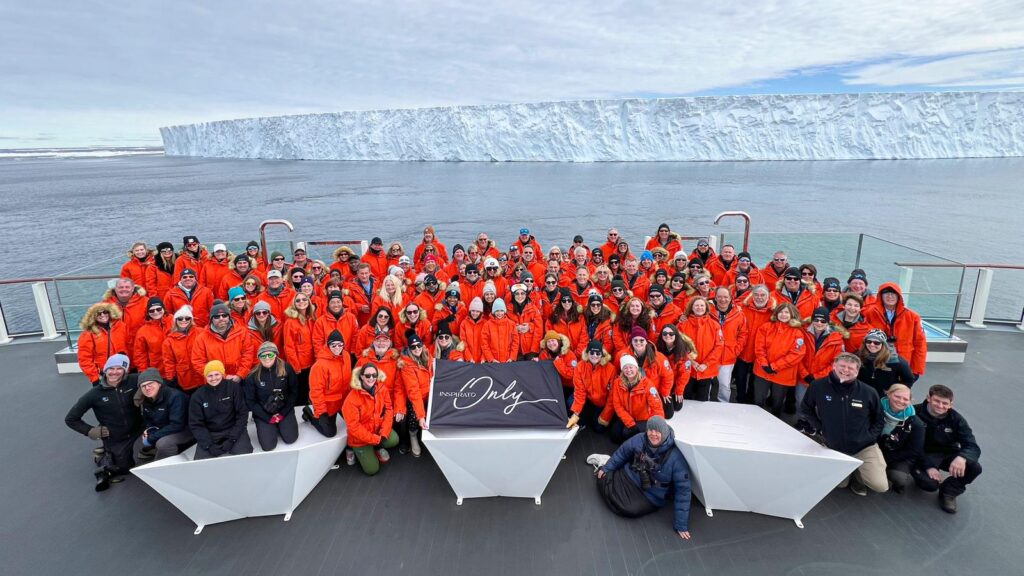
{"x": 880, "y": 379}
{"x": 259, "y": 387}
{"x": 946, "y": 436}
{"x": 166, "y": 414}
{"x": 905, "y": 443}
{"x": 849, "y": 416}
{"x": 215, "y": 413}
{"x": 112, "y": 406}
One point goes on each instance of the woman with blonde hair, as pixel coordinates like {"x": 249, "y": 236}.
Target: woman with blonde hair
{"x": 298, "y": 341}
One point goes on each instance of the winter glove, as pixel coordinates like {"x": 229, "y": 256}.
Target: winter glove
{"x": 808, "y": 378}
{"x": 913, "y": 380}
{"x": 276, "y": 418}
{"x": 768, "y": 368}
{"x": 96, "y": 382}
{"x": 97, "y": 432}
{"x": 602, "y": 421}
{"x": 632, "y": 430}
{"x": 146, "y": 442}
{"x": 215, "y": 450}
{"x": 573, "y": 421}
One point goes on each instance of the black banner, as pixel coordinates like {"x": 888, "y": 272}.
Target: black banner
{"x": 508, "y": 395}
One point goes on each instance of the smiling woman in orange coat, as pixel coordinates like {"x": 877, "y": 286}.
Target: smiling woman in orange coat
{"x": 369, "y": 418}
{"x": 471, "y": 332}
{"x": 634, "y": 399}
{"x": 779, "y": 349}
{"x": 149, "y": 340}
{"x": 103, "y": 335}
{"x": 298, "y": 341}
{"x": 702, "y": 327}
{"x": 500, "y": 342}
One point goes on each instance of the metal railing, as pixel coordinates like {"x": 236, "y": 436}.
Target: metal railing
{"x": 978, "y": 315}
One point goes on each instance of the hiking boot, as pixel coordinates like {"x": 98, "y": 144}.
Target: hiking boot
{"x": 844, "y": 483}
{"x": 307, "y": 414}
{"x": 598, "y": 460}
{"x": 350, "y": 457}
{"x": 414, "y": 445}
{"x": 382, "y": 455}
{"x": 116, "y": 479}
{"x": 947, "y": 503}
{"x": 146, "y": 454}
{"x": 102, "y": 482}
{"x": 858, "y": 487}
{"x": 403, "y": 450}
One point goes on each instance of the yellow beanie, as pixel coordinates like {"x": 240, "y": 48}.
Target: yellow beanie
{"x": 213, "y": 366}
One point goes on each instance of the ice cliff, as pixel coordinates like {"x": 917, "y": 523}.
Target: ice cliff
{"x": 780, "y": 127}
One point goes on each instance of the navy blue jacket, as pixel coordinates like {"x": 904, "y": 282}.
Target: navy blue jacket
{"x": 166, "y": 414}
{"x": 946, "y": 436}
{"x": 671, "y": 473}
{"x": 849, "y": 416}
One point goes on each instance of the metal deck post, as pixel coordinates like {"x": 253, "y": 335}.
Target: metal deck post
{"x": 45, "y": 313}
{"x": 981, "y": 294}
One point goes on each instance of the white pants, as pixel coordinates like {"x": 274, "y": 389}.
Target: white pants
{"x": 725, "y": 382}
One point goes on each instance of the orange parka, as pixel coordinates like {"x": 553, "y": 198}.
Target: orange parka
{"x": 593, "y": 383}
{"x": 235, "y": 349}
{"x": 330, "y": 381}
{"x": 148, "y": 350}
{"x": 781, "y": 346}
{"x": 499, "y": 341}
{"x": 368, "y": 417}
{"x": 177, "y": 359}
{"x": 98, "y": 343}
{"x": 471, "y": 334}
{"x": 636, "y": 404}
{"x": 706, "y": 334}
{"x": 905, "y": 330}
{"x": 298, "y": 340}
{"x": 415, "y": 384}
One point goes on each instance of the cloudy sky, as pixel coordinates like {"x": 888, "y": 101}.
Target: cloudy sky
{"x": 112, "y": 73}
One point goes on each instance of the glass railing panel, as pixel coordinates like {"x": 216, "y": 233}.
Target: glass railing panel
{"x": 833, "y": 254}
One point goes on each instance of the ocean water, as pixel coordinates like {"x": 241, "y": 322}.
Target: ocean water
{"x": 65, "y": 214}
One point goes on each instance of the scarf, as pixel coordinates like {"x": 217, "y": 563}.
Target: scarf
{"x": 894, "y": 419}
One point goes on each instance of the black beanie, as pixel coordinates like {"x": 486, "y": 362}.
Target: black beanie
{"x": 163, "y": 245}
{"x": 252, "y": 244}
{"x": 241, "y": 258}
{"x": 444, "y": 327}
{"x": 857, "y": 274}
{"x": 820, "y": 312}
{"x": 335, "y": 336}
{"x": 154, "y": 301}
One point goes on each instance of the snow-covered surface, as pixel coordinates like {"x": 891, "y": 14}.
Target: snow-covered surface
{"x": 781, "y": 127}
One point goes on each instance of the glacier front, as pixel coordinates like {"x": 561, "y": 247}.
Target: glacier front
{"x": 775, "y": 127}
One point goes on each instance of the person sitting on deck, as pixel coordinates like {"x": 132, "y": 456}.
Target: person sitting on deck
{"x": 636, "y": 479}
{"x": 164, "y": 418}
{"x": 218, "y": 415}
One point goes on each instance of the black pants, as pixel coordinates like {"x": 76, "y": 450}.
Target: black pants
{"x": 742, "y": 374}
{"x": 302, "y": 378}
{"x": 118, "y": 457}
{"x": 762, "y": 388}
{"x": 326, "y": 424}
{"x": 619, "y": 433}
{"x": 242, "y": 446}
{"x": 408, "y": 427}
{"x": 589, "y": 417}
{"x": 950, "y": 486}
{"x": 899, "y": 473}
{"x": 623, "y": 496}
{"x": 267, "y": 433}
{"x": 703, "y": 389}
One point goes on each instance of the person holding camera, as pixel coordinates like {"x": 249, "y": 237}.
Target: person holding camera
{"x": 164, "y": 418}
{"x": 118, "y": 421}
{"x": 637, "y": 478}
{"x": 270, "y": 392}
{"x": 218, "y": 415}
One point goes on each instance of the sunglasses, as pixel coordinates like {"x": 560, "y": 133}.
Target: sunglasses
{"x": 218, "y": 316}
{"x": 566, "y": 300}
{"x": 410, "y": 312}
{"x": 668, "y": 335}
{"x": 279, "y": 259}
{"x": 261, "y": 313}
{"x": 183, "y": 276}
{"x": 151, "y": 310}
{"x": 618, "y": 289}
{"x": 415, "y": 346}
{"x": 703, "y": 283}
{"x": 472, "y": 273}
{"x": 742, "y": 281}
{"x": 239, "y": 299}
{"x": 267, "y": 356}
{"x": 550, "y": 282}
{"x": 807, "y": 274}
{"x": 527, "y": 281}
{"x": 778, "y": 259}
{"x": 318, "y": 268}
{"x": 872, "y": 343}
{"x": 443, "y": 337}
{"x": 370, "y": 376}
{"x": 383, "y": 315}
{"x": 836, "y": 290}
{"x": 336, "y": 345}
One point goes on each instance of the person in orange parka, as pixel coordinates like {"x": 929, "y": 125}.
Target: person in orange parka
{"x": 216, "y": 267}
{"x": 369, "y": 417}
{"x": 450, "y": 310}
{"x": 263, "y": 327}
{"x": 597, "y": 323}
{"x": 446, "y": 345}
{"x": 131, "y": 299}
{"x": 902, "y": 326}
{"x": 779, "y": 349}
{"x": 103, "y": 335}
{"x": 655, "y": 366}
{"x": 850, "y": 318}
{"x": 176, "y": 354}
{"x": 412, "y": 317}
{"x": 334, "y": 317}
{"x": 225, "y": 341}
{"x": 634, "y": 399}
{"x": 416, "y": 369}
{"x": 734, "y": 337}
{"x": 471, "y": 332}
{"x": 279, "y": 294}
{"x": 141, "y": 267}
{"x": 556, "y": 348}
{"x": 526, "y": 239}
{"x": 720, "y": 266}
{"x": 703, "y": 328}
{"x": 825, "y": 342}
{"x": 565, "y": 319}
{"x": 383, "y": 353}
{"x": 666, "y": 239}
{"x": 377, "y": 259}
{"x": 591, "y": 388}
{"x": 757, "y": 308}
{"x": 163, "y": 268}
{"x": 240, "y": 267}
{"x": 528, "y": 322}
{"x": 330, "y": 381}
{"x": 361, "y": 291}
{"x": 499, "y": 342}
{"x": 298, "y": 342}
{"x": 680, "y": 352}
{"x": 192, "y": 256}
{"x": 149, "y": 340}
{"x": 663, "y": 311}
{"x": 188, "y": 292}
{"x": 430, "y": 237}
{"x": 803, "y": 295}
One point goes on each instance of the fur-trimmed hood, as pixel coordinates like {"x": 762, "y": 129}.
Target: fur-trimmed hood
{"x": 340, "y": 249}
{"x": 405, "y": 357}
{"x": 457, "y": 345}
{"x": 689, "y": 341}
{"x": 780, "y": 285}
{"x": 566, "y": 344}
{"x": 832, "y": 327}
{"x": 356, "y": 373}
{"x": 88, "y": 323}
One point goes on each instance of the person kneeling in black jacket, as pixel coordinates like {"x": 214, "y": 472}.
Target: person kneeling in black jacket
{"x": 848, "y": 414}
{"x": 218, "y": 415}
{"x": 902, "y": 440}
{"x": 948, "y": 445}
{"x": 270, "y": 392}
{"x": 164, "y": 418}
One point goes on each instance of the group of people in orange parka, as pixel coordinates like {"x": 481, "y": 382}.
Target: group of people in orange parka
{"x": 362, "y": 330}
